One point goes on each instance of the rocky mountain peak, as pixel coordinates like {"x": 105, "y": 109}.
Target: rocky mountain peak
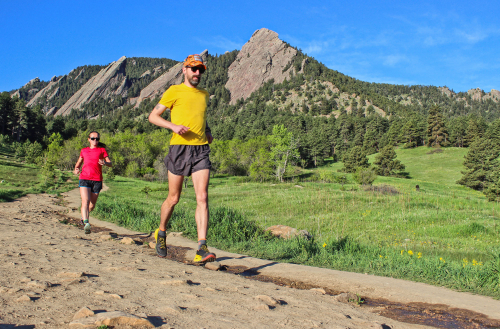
{"x": 262, "y": 58}
{"x": 110, "y": 81}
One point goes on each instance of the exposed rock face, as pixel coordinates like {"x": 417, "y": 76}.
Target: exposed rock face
{"x": 478, "y": 94}
{"x": 262, "y": 58}
{"x": 108, "y": 82}
{"x": 446, "y": 91}
{"x": 51, "y": 87}
{"x": 158, "y": 86}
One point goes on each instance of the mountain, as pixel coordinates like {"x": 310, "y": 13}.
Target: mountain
{"x": 266, "y": 67}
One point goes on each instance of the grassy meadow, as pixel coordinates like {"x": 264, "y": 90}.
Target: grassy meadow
{"x": 443, "y": 234}
{"x": 18, "y": 179}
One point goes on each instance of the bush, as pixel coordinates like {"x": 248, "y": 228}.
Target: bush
{"x": 364, "y": 176}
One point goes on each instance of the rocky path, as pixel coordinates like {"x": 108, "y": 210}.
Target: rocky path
{"x": 54, "y": 276}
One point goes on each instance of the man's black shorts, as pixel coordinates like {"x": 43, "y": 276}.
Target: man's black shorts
{"x": 95, "y": 186}
{"x": 183, "y": 160}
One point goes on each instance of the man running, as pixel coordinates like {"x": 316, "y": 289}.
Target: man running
{"x": 188, "y": 152}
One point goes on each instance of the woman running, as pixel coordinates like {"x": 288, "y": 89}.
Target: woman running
{"x": 93, "y": 158}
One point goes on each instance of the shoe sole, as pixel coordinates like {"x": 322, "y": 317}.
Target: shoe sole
{"x": 207, "y": 259}
{"x": 87, "y": 229}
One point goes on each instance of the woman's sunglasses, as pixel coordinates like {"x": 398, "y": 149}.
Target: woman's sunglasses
{"x": 94, "y": 138}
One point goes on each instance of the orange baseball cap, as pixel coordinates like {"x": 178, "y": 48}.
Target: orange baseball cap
{"x": 194, "y": 60}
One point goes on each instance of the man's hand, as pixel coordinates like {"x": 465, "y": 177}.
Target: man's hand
{"x": 180, "y": 129}
{"x": 210, "y": 138}
{"x": 76, "y": 171}
{"x": 101, "y": 162}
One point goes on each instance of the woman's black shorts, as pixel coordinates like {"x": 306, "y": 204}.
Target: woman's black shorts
{"x": 95, "y": 186}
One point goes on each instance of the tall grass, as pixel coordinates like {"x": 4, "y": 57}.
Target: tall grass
{"x": 443, "y": 233}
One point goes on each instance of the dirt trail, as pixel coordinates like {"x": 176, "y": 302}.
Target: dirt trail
{"x": 50, "y": 270}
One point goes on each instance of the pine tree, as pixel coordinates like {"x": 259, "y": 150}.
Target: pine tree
{"x": 436, "y": 129}
{"x": 386, "y": 163}
{"x": 354, "y": 158}
{"x": 480, "y": 163}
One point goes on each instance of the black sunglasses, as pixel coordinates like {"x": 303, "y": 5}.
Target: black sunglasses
{"x": 196, "y": 68}
{"x": 94, "y": 138}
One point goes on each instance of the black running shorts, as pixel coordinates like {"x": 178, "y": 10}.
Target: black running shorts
{"x": 95, "y": 186}
{"x": 183, "y": 160}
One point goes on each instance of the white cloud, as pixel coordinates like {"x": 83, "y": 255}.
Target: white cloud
{"x": 222, "y": 43}
{"x": 392, "y": 60}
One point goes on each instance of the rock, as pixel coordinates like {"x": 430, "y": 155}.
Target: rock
{"x": 152, "y": 245}
{"x": 346, "y": 297}
{"x": 214, "y": 266}
{"x": 71, "y": 274}
{"x": 320, "y": 290}
{"x": 115, "y": 319}
{"x": 174, "y": 282}
{"x": 23, "y": 299}
{"x": 84, "y": 312}
{"x": 102, "y": 84}
{"x": 262, "y": 307}
{"x": 262, "y": 58}
{"x": 40, "y": 284}
{"x": 127, "y": 240}
{"x": 116, "y": 296}
{"x": 267, "y": 299}
{"x": 51, "y": 89}
{"x": 287, "y": 232}
{"x": 172, "y": 309}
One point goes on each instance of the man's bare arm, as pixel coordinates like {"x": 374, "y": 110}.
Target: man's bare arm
{"x": 156, "y": 119}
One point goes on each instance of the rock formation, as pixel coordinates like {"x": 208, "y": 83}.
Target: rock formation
{"x": 108, "y": 82}
{"x": 51, "y": 87}
{"x": 262, "y": 58}
{"x": 158, "y": 86}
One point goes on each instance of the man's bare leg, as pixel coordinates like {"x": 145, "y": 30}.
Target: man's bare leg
{"x": 174, "y": 193}
{"x": 200, "y": 182}
{"x": 167, "y": 208}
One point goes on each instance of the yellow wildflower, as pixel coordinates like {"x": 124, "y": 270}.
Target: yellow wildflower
{"x": 324, "y": 245}
{"x": 419, "y": 255}
{"x": 402, "y": 251}
{"x": 442, "y": 259}
{"x": 410, "y": 252}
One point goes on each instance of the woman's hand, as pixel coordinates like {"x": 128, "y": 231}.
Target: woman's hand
{"x": 101, "y": 162}
{"x": 76, "y": 171}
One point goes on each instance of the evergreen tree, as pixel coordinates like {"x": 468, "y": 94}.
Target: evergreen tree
{"x": 480, "y": 163}
{"x": 354, "y": 158}
{"x": 436, "y": 130}
{"x": 386, "y": 163}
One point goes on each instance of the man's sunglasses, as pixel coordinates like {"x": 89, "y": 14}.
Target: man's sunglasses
{"x": 94, "y": 138}
{"x": 196, "y": 68}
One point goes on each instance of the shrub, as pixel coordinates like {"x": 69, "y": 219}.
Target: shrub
{"x": 364, "y": 176}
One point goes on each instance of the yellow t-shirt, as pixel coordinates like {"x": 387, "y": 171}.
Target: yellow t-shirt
{"x": 188, "y": 107}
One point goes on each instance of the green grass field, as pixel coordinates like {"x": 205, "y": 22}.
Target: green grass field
{"x": 18, "y": 179}
{"x": 442, "y": 234}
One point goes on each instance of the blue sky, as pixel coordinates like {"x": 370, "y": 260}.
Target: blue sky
{"x": 452, "y": 43}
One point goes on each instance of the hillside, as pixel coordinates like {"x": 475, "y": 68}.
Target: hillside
{"x": 264, "y": 58}
{"x": 266, "y": 83}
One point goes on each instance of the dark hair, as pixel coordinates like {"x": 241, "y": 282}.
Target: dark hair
{"x": 98, "y": 135}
